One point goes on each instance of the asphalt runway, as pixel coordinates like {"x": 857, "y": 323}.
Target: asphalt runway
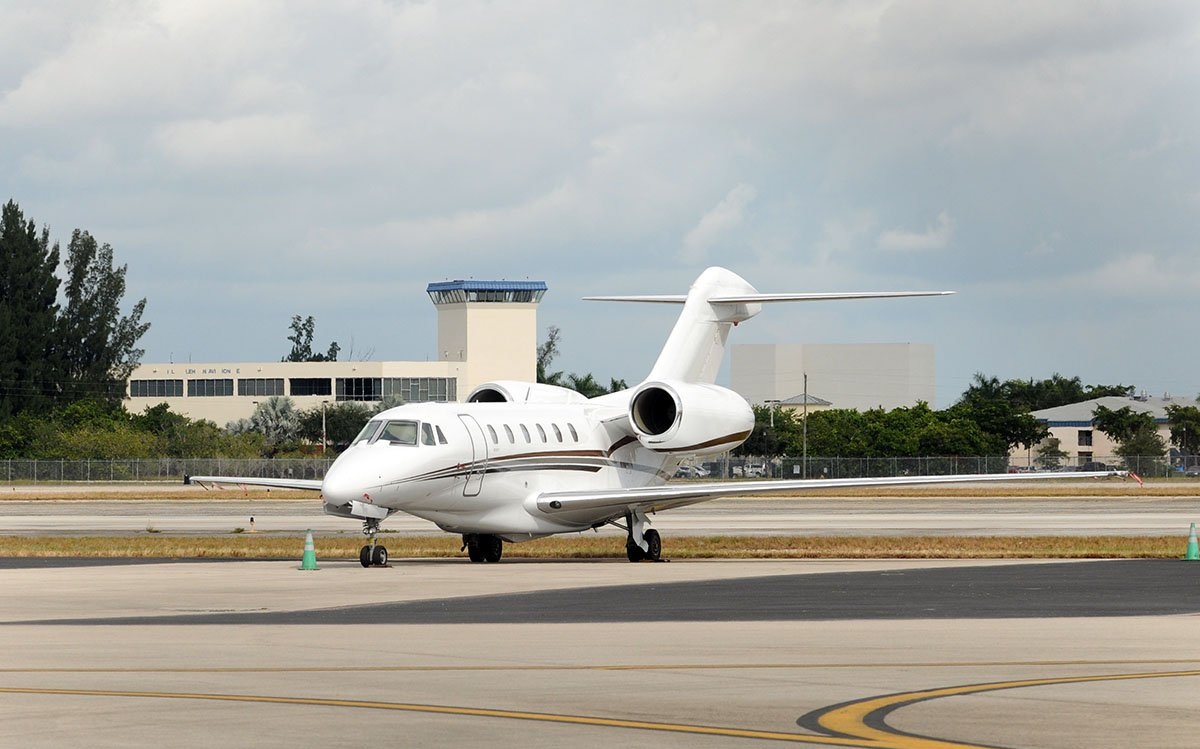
{"x": 989, "y": 516}
{"x": 878, "y": 654}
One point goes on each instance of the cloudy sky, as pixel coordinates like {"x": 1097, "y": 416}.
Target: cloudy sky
{"x": 252, "y": 161}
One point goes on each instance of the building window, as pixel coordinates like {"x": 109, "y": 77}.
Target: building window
{"x": 359, "y": 389}
{"x": 156, "y": 388}
{"x": 261, "y": 386}
{"x": 310, "y": 386}
{"x": 420, "y": 389}
{"x": 1085, "y": 437}
{"x": 209, "y": 388}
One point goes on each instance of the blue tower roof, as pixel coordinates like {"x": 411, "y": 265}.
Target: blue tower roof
{"x": 458, "y": 292}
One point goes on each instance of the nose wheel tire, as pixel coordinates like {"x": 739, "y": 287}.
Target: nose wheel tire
{"x": 377, "y": 557}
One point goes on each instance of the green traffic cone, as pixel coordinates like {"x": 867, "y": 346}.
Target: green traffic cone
{"x": 1193, "y": 550}
{"x": 309, "y": 562}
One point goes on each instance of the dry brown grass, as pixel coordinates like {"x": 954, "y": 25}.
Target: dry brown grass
{"x": 245, "y": 546}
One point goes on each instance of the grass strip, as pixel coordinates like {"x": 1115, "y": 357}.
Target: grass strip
{"x": 606, "y": 547}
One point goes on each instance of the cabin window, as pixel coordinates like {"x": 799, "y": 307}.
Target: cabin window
{"x": 574, "y": 434}
{"x": 525, "y": 433}
{"x": 367, "y": 432}
{"x": 400, "y": 432}
{"x": 508, "y": 431}
{"x": 557, "y": 432}
{"x": 427, "y": 435}
{"x": 492, "y": 432}
{"x": 441, "y": 437}
{"x": 541, "y": 432}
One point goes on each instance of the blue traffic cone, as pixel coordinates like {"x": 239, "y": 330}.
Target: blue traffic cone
{"x": 309, "y": 562}
{"x": 1193, "y": 550}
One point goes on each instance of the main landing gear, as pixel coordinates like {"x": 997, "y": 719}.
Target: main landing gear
{"x": 642, "y": 543}
{"x": 483, "y": 547}
{"x": 372, "y": 553}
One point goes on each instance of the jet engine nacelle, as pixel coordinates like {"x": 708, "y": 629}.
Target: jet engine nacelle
{"x": 685, "y": 417}
{"x": 515, "y": 391}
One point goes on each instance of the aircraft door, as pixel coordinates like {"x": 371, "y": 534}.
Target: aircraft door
{"x": 479, "y": 456}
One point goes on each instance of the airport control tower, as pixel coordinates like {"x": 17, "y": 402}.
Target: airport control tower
{"x": 489, "y": 326}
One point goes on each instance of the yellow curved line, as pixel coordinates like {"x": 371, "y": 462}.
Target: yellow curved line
{"x": 850, "y": 719}
{"x": 847, "y": 722}
{"x": 453, "y": 710}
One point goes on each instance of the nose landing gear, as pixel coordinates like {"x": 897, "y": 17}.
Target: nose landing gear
{"x": 372, "y": 554}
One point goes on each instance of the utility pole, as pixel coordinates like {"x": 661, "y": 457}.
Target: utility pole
{"x": 804, "y": 458}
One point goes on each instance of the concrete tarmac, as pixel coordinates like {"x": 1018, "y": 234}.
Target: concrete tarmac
{"x": 537, "y": 654}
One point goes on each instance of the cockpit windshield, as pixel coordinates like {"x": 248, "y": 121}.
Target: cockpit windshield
{"x": 400, "y": 432}
{"x": 367, "y": 432}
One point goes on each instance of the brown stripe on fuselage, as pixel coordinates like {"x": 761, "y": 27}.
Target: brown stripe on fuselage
{"x": 738, "y": 437}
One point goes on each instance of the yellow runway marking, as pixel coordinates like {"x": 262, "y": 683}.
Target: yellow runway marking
{"x": 855, "y": 724}
{"x": 452, "y": 710}
{"x": 864, "y": 719}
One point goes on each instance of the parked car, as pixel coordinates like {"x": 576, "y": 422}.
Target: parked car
{"x": 691, "y": 472}
{"x": 752, "y": 470}
{"x": 1094, "y": 466}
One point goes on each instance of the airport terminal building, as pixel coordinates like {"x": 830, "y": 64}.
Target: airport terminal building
{"x": 487, "y": 330}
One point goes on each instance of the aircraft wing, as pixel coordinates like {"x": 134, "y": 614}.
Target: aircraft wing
{"x": 653, "y": 498}
{"x": 218, "y": 481}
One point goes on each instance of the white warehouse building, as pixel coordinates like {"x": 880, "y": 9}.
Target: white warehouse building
{"x": 487, "y": 330}
{"x": 848, "y": 375}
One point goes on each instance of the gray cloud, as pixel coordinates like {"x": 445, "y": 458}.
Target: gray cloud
{"x": 251, "y": 161}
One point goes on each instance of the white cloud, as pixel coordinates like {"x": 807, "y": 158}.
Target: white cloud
{"x": 723, "y": 217}
{"x": 935, "y": 237}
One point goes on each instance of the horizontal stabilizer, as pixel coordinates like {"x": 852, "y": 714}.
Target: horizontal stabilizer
{"x": 764, "y": 298}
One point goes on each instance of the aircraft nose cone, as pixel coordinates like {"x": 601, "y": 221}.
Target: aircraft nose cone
{"x": 348, "y": 480}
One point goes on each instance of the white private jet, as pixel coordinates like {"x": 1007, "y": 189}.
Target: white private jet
{"x": 522, "y": 460}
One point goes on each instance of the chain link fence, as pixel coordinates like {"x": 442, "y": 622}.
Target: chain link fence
{"x": 159, "y": 469}
{"x": 174, "y": 469}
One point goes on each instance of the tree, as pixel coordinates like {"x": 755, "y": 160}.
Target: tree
{"x": 1034, "y": 395}
{"x": 1123, "y": 423}
{"x": 1050, "y": 453}
{"x": 28, "y": 311}
{"x": 302, "y": 337}
{"x": 546, "y": 351}
{"x": 97, "y": 347}
{"x": 989, "y": 403}
{"x": 1185, "y": 428}
{"x": 1143, "y": 442}
{"x": 342, "y": 423}
{"x": 278, "y": 421}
